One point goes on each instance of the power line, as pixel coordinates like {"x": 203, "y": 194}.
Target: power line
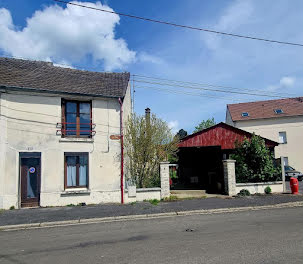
{"x": 182, "y": 26}
{"x": 189, "y": 93}
{"x": 140, "y": 77}
{"x": 209, "y": 89}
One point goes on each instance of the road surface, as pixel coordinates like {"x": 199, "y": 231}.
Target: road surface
{"x": 265, "y": 236}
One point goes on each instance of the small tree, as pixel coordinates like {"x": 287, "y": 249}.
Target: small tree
{"x": 254, "y": 161}
{"x": 181, "y": 133}
{"x": 147, "y": 143}
{"x": 205, "y": 124}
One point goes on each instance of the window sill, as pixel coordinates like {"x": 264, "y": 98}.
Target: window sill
{"x": 80, "y": 191}
{"x": 85, "y": 140}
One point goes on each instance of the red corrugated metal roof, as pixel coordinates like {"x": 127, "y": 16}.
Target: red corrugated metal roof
{"x": 266, "y": 109}
{"x": 222, "y": 135}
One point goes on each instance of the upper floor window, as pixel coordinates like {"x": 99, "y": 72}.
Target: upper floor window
{"x": 282, "y": 138}
{"x": 76, "y": 119}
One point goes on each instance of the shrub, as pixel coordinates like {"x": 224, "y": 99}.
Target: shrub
{"x": 244, "y": 192}
{"x": 170, "y": 198}
{"x": 154, "y": 201}
{"x": 267, "y": 190}
{"x": 12, "y": 208}
{"x": 254, "y": 161}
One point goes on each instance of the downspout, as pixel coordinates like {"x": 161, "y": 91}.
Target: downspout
{"x": 122, "y": 150}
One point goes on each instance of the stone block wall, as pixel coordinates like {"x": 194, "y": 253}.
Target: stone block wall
{"x": 164, "y": 174}
{"x": 229, "y": 177}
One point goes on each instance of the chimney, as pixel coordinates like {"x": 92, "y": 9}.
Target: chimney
{"x": 147, "y": 116}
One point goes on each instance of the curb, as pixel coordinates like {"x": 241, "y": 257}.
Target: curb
{"x": 147, "y": 216}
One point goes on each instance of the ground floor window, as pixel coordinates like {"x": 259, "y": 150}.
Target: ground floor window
{"x": 76, "y": 170}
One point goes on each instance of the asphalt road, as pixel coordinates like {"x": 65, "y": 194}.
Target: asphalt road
{"x": 265, "y": 236}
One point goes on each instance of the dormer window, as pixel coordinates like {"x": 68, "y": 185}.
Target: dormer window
{"x": 278, "y": 111}
{"x": 245, "y": 114}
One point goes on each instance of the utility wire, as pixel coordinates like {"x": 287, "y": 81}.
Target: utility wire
{"x": 209, "y": 89}
{"x": 182, "y": 26}
{"x": 188, "y": 93}
{"x": 143, "y": 77}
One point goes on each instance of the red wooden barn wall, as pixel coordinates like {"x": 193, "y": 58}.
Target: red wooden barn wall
{"x": 220, "y": 135}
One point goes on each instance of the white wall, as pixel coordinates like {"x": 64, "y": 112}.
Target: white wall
{"x": 28, "y": 124}
{"x": 253, "y": 188}
{"x": 228, "y": 119}
{"x": 143, "y": 194}
{"x": 270, "y": 128}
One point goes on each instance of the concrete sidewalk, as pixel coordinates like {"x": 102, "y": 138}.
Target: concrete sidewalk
{"x": 42, "y": 215}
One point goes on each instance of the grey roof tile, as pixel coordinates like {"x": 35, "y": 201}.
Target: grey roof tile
{"x": 46, "y": 77}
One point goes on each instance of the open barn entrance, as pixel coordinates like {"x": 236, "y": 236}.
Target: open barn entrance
{"x": 200, "y": 168}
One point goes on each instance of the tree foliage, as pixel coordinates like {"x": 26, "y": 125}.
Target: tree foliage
{"x": 147, "y": 143}
{"x": 205, "y": 124}
{"x": 254, "y": 161}
{"x": 181, "y": 133}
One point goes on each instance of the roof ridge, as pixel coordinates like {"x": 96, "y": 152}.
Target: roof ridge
{"x": 52, "y": 64}
{"x": 271, "y": 100}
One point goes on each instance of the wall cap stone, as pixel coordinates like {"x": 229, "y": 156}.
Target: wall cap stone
{"x": 258, "y": 183}
{"x": 229, "y": 161}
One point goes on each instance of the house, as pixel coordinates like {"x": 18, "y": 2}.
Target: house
{"x": 60, "y": 134}
{"x": 204, "y": 158}
{"x": 279, "y": 120}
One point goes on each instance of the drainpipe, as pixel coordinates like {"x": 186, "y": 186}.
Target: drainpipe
{"x": 122, "y": 150}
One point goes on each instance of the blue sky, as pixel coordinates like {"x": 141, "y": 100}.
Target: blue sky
{"x": 92, "y": 40}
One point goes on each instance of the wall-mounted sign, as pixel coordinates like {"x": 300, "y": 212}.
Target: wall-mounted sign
{"x": 115, "y": 137}
{"x": 32, "y": 170}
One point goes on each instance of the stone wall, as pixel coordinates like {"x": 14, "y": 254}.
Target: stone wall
{"x": 276, "y": 187}
{"x": 229, "y": 177}
{"x": 164, "y": 174}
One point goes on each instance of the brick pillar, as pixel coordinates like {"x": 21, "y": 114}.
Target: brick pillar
{"x": 164, "y": 175}
{"x": 229, "y": 177}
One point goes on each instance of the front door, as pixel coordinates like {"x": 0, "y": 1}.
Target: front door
{"x": 30, "y": 181}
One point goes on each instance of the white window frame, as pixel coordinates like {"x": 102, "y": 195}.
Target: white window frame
{"x": 282, "y": 137}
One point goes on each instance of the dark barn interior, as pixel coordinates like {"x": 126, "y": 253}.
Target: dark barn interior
{"x": 201, "y": 168}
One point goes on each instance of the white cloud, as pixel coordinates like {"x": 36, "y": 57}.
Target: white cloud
{"x": 67, "y": 34}
{"x": 174, "y": 126}
{"x": 145, "y": 57}
{"x": 237, "y": 14}
{"x": 285, "y": 82}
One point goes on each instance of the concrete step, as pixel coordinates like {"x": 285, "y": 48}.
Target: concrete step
{"x": 188, "y": 193}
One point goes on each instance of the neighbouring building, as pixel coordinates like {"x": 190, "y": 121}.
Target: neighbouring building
{"x": 204, "y": 158}
{"x": 60, "y": 134}
{"x": 279, "y": 120}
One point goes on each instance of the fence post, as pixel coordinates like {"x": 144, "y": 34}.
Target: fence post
{"x": 283, "y": 174}
{"x": 229, "y": 177}
{"x": 164, "y": 175}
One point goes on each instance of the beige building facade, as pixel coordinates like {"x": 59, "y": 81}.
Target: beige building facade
{"x": 278, "y": 120}
{"x": 60, "y": 146}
